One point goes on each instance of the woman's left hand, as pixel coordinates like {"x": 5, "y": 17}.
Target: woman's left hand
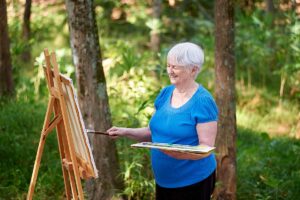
{"x": 185, "y": 155}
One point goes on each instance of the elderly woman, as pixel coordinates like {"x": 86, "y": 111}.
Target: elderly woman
{"x": 186, "y": 113}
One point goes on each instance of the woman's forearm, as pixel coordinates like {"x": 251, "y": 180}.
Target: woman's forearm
{"x": 139, "y": 134}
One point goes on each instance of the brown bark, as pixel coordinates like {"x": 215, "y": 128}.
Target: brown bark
{"x": 225, "y": 97}
{"x": 270, "y": 11}
{"x": 6, "y": 79}
{"x": 270, "y": 6}
{"x": 155, "y": 36}
{"x": 26, "y": 55}
{"x": 92, "y": 95}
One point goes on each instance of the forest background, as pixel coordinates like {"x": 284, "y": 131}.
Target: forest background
{"x": 267, "y": 47}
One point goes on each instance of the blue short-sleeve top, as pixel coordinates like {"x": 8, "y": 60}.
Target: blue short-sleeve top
{"x": 178, "y": 126}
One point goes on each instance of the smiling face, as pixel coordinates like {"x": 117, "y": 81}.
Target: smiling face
{"x": 184, "y": 63}
{"x": 179, "y": 74}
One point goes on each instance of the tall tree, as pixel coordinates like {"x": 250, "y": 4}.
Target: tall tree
{"x": 26, "y": 55}
{"x": 6, "y": 80}
{"x": 92, "y": 95}
{"x": 270, "y": 8}
{"x": 155, "y": 35}
{"x": 225, "y": 97}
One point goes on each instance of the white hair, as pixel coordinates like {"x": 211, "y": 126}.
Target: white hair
{"x": 187, "y": 54}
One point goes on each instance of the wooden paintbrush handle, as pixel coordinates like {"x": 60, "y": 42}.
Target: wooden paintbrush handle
{"x": 96, "y": 132}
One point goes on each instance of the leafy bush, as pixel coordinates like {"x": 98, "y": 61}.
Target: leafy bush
{"x": 136, "y": 171}
{"x": 20, "y": 126}
{"x": 267, "y": 168}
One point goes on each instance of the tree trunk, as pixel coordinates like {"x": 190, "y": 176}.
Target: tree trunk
{"x": 225, "y": 97}
{"x": 281, "y": 90}
{"x": 26, "y": 55}
{"x": 6, "y": 79}
{"x": 155, "y": 36}
{"x": 270, "y": 6}
{"x": 92, "y": 95}
{"x": 270, "y": 11}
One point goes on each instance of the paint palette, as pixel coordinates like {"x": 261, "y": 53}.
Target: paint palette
{"x": 200, "y": 149}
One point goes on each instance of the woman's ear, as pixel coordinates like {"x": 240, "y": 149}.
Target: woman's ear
{"x": 195, "y": 70}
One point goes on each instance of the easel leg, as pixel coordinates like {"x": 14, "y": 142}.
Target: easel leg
{"x": 78, "y": 182}
{"x": 74, "y": 171}
{"x": 73, "y": 185}
{"x": 70, "y": 172}
{"x": 36, "y": 167}
{"x": 40, "y": 150}
{"x": 62, "y": 156}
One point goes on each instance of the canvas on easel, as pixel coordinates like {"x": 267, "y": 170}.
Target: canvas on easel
{"x": 74, "y": 148}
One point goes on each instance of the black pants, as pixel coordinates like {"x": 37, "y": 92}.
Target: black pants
{"x": 198, "y": 191}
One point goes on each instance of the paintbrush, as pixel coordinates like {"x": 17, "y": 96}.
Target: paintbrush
{"x": 96, "y": 132}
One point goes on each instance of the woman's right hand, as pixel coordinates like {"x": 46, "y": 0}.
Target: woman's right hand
{"x": 116, "y": 132}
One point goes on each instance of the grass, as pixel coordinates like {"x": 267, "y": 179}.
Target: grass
{"x": 261, "y": 111}
{"x": 20, "y": 126}
{"x": 268, "y": 168}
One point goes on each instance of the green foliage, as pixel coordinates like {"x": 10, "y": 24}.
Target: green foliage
{"x": 136, "y": 172}
{"x": 267, "y": 54}
{"x": 131, "y": 90}
{"x": 131, "y": 85}
{"x": 20, "y": 127}
{"x": 63, "y": 58}
{"x": 34, "y": 88}
{"x": 258, "y": 110}
{"x": 267, "y": 168}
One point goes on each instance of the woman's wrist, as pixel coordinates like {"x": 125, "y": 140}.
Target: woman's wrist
{"x": 128, "y": 132}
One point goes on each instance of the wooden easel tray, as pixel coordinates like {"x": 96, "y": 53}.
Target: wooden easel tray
{"x": 200, "y": 149}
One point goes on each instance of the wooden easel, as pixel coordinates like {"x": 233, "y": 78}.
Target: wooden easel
{"x": 74, "y": 169}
